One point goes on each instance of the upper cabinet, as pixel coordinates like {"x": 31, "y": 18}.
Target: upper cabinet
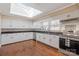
{"x": 48, "y": 25}
{"x": 15, "y": 22}
{"x": 55, "y": 25}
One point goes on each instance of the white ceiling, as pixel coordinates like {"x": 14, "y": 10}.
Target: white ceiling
{"x": 44, "y": 7}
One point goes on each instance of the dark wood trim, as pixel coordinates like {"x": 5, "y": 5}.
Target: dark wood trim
{"x": 8, "y": 32}
{"x": 45, "y": 32}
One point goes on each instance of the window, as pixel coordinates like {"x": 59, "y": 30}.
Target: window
{"x": 45, "y": 25}
{"x": 23, "y": 10}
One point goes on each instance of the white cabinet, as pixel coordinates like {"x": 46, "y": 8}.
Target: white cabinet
{"x": 49, "y": 39}
{"x": 7, "y": 38}
{"x": 39, "y": 37}
{"x": 42, "y": 37}
{"x": 54, "y": 41}
{"x": 46, "y": 38}
{"x": 28, "y": 35}
{"x": 15, "y": 37}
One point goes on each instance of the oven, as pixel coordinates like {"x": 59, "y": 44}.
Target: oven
{"x": 69, "y": 44}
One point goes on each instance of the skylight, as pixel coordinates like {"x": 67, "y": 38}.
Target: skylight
{"x": 22, "y": 10}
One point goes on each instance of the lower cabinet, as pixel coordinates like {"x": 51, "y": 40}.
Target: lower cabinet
{"x": 15, "y": 37}
{"x": 42, "y": 37}
{"x": 54, "y": 41}
{"x": 49, "y": 39}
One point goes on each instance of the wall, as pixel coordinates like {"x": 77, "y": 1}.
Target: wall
{"x": 0, "y": 30}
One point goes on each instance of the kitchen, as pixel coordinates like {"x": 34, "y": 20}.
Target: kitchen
{"x": 55, "y": 26}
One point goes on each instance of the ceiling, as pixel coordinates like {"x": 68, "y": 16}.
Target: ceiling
{"x": 44, "y": 7}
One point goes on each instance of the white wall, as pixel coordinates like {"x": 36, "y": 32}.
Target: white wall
{"x": 15, "y": 22}
{"x": 0, "y": 30}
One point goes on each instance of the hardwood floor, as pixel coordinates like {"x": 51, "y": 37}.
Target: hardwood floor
{"x": 29, "y": 48}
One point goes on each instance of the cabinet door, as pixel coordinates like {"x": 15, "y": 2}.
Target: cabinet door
{"x": 25, "y": 36}
{"x": 7, "y": 38}
{"x": 28, "y": 35}
{"x": 42, "y": 37}
{"x": 46, "y": 38}
{"x": 38, "y": 36}
{"x": 3, "y": 39}
{"x": 54, "y": 41}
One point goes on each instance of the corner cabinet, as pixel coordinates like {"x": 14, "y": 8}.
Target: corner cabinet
{"x": 49, "y": 39}
{"x": 42, "y": 37}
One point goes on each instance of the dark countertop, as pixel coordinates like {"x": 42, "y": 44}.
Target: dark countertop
{"x": 16, "y": 30}
{"x": 21, "y": 30}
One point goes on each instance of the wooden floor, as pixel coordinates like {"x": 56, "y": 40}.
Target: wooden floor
{"x": 28, "y": 48}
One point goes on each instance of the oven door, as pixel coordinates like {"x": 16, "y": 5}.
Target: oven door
{"x": 74, "y": 45}
{"x": 62, "y": 43}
